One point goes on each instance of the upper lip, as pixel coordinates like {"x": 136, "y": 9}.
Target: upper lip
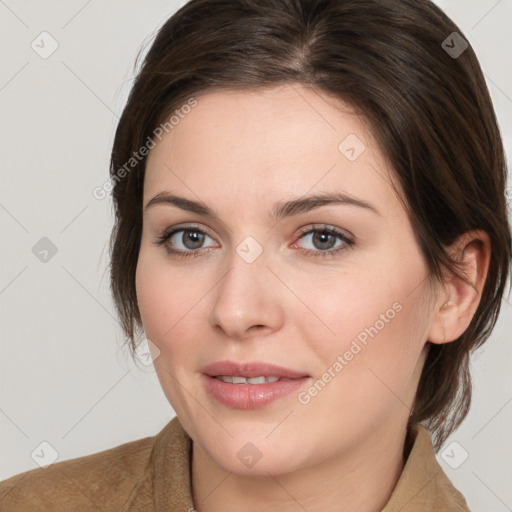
{"x": 254, "y": 369}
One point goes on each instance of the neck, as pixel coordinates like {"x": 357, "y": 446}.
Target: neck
{"x": 361, "y": 479}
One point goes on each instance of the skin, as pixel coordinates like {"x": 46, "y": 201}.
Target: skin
{"x": 240, "y": 152}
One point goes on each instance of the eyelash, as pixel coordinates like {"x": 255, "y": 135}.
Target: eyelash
{"x": 347, "y": 242}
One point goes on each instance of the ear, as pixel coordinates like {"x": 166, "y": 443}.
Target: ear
{"x": 458, "y": 301}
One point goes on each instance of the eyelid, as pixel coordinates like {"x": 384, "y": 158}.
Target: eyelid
{"x": 327, "y": 227}
{"x": 188, "y": 227}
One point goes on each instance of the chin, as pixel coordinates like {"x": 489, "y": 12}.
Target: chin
{"x": 260, "y": 468}
{"x": 256, "y": 459}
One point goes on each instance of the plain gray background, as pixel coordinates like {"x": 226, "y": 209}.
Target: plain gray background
{"x": 64, "y": 378}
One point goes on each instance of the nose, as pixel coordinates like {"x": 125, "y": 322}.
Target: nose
{"x": 248, "y": 300}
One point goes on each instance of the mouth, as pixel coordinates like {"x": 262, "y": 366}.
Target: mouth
{"x": 250, "y": 385}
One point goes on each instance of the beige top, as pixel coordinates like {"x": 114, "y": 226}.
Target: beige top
{"x": 153, "y": 475}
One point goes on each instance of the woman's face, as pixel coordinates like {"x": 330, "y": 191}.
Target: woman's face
{"x": 334, "y": 294}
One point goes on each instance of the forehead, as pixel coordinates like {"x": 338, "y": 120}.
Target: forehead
{"x": 266, "y": 144}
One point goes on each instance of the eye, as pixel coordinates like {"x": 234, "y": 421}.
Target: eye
{"x": 191, "y": 240}
{"x": 324, "y": 239}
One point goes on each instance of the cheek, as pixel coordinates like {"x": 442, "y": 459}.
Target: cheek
{"x": 151, "y": 296}
{"x": 166, "y": 307}
{"x": 160, "y": 296}
{"x": 377, "y": 329}
{"x": 366, "y": 382}
{"x": 172, "y": 308}
{"x": 348, "y": 307}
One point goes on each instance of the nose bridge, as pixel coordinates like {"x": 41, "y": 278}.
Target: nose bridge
{"x": 247, "y": 294}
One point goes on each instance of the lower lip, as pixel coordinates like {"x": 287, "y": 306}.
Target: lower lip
{"x": 251, "y": 396}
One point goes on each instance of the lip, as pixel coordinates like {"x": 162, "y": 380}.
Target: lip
{"x": 255, "y": 369}
{"x": 251, "y": 396}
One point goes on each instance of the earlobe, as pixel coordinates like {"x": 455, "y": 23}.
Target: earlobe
{"x": 459, "y": 299}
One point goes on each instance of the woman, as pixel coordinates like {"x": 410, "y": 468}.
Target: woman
{"x": 312, "y": 233}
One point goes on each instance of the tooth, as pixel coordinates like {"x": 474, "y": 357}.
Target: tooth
{"x": 256, "y": 380}
{"x": 236, "y": 379}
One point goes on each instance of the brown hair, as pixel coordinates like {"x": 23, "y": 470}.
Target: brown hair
{"x": 429, "y": 110}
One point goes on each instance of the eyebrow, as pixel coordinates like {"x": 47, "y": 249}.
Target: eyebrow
{"x": 279, "y": 211}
